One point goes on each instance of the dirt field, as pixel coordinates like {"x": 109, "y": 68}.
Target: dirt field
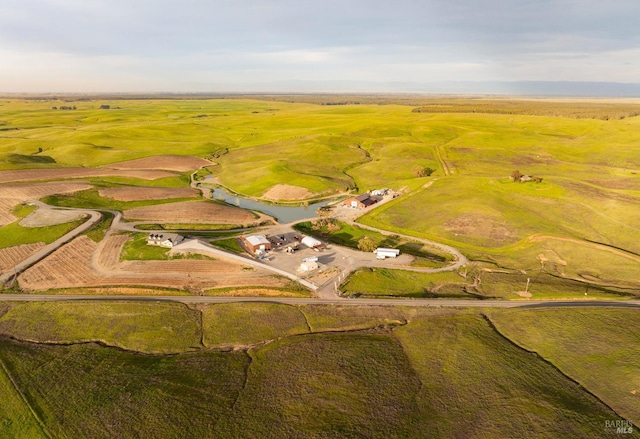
{"x": 287, "y": 192}
{"x": 9, "y": 257}
{"x": 194, "y": 212}
{"x": 150, "y": 193}
{"x": 38, "y": 190}
{"x": 83, "y": 263}
{"x": 59, "y": 174}
{"x": 179, "y": 163}
{"x": 6, "y": 207}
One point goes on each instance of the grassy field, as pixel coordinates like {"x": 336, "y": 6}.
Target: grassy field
{"x": 13, "y": 234}
{"x": 599, "y": 348}
{"x": 92, "y": 391}
{"x": 16, "y": 418}
{"x": 135, "y": 326}
{"x": 244, "y": 324}
{"x": 384, "y": 282}
{"x": 268, "y": 370}
{"x": 470, "y": 372}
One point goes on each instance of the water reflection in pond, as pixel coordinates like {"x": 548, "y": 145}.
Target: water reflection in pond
{"x": 284, "y": 214}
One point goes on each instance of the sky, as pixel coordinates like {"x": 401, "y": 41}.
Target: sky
{"x": 299, "y": 45}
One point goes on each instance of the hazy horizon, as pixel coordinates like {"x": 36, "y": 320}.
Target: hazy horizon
{"x": 429, "y": 46}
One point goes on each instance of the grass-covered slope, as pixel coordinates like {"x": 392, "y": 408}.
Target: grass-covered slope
{"x": 599, "y": 348}
{"x": 91, "y": 391}
{"x": 470, "y": 372}
{"x": 374, "y": 372}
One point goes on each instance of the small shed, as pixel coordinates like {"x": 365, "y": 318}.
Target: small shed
{"x": 312, "y": 242}
{"x": 383, "y": 253}
{"x": 257, "y": 242}
{"x": 308, "y": 266}
{"x": 167, "y": 240}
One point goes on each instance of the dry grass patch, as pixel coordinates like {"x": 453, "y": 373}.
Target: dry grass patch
{"x": 478, "y": 226}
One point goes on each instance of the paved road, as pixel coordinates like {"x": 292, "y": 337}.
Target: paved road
{"x": 319, "y": 301}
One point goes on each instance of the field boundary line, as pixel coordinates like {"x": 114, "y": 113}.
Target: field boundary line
{"x": 41, "y": 424}
{"x": 542, "y": 358}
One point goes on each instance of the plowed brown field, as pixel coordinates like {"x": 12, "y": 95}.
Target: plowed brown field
{"x": 72, "y": 266}
{"x": 143, "y": 193}
{"x": 179, "y": 163}
{"x": 10, "y": 256}
{"x": 39, "y": 190}
{"x": 62, "y": 173}
{"x": 66, "y": 267}
{"x": 6, "y": 207}
{"x": 198, "y": 212}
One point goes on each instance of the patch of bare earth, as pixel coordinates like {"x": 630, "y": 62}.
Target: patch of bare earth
{"x": 472, "y": 225}
{"x": 287, "y": 192}
{"x": 65, "y": 173}
{"x": 179, "y": 163}
{"x": 44, "y": 217}
{"x": 191, "y": 212}
{"x": 10, "y": 256}
{"x": 149, "y": 193}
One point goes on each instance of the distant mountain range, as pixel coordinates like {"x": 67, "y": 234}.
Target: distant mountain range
{"x": 517, "y": 88}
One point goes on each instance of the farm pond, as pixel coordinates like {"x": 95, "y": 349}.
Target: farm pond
{"x": 284, "y": 214}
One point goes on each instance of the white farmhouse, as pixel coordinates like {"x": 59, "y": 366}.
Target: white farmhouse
{"x": 167, "y": 240}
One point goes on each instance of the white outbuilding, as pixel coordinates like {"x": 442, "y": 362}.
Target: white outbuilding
{"x": 383, "y": 253}
{"x": 308, "y": 266}
{"x": 312, "y": 242}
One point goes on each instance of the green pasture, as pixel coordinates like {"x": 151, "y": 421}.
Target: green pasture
{"x": 238, "y": 370}
{"x": 98, "y": 232}
{"x": 323, "y": 318}
{"x": 468, "y": 371}
{"x": 87, "y": 390}
{"x": 328, "y": 385}
{"x": 599, "y": 348}
{"x": 13, "y": 234}
{"x": 161, "y": 328}
{"x": 245, "y": 324}
{"x": 385, "y": 282}
{"x": 16, "y": 418}
{"x": 585, "y": 152}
